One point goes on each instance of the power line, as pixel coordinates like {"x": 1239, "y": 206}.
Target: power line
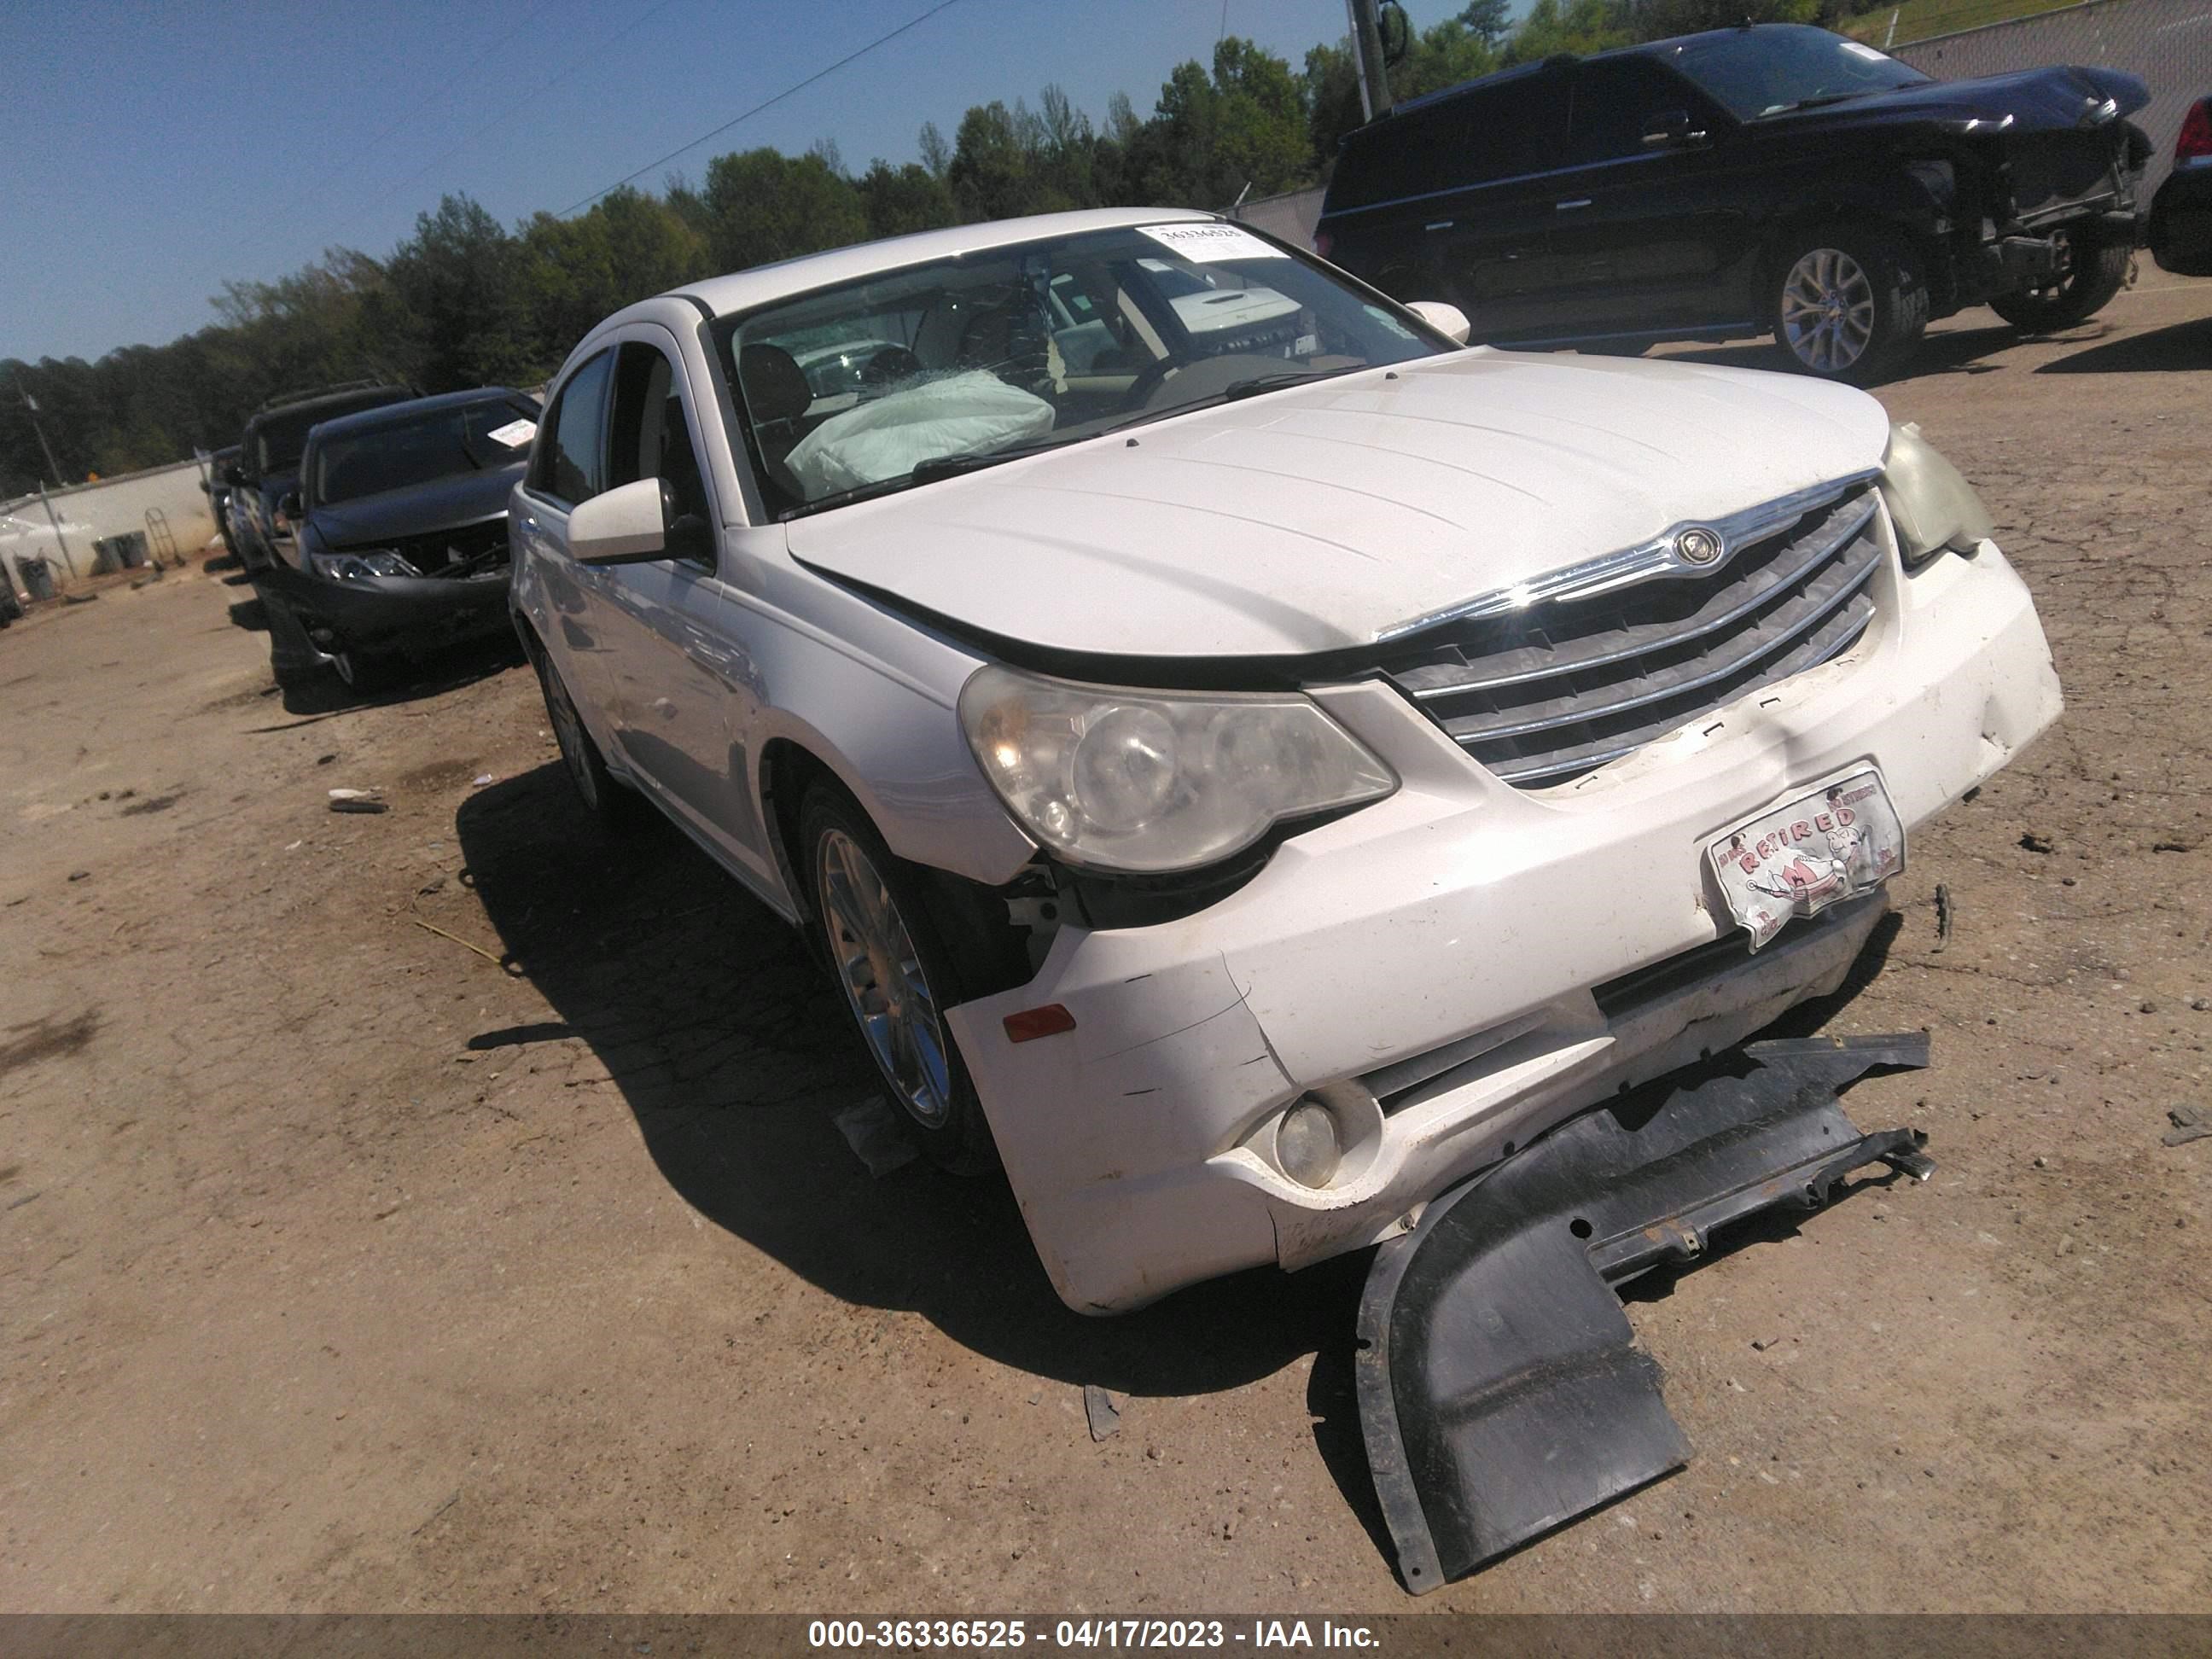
{"x": 512, "y": 110}
{"x": 372, "y": 145}
{"x": 797, "y": 87}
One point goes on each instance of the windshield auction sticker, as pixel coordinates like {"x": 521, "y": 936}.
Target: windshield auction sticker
{"x": 515, "y": 434}
{"x": 1209, "y": 243}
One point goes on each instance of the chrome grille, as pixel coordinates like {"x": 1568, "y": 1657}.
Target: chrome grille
{"x": 1567, "y": 684}
{"x": 472, "y": 549}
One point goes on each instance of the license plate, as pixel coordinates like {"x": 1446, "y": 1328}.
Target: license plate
{"x": 1818, "y": 851}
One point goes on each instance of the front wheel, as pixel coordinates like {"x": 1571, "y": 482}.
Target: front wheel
{"x": 874, "y": 922}
{"x": 2090, "y": 272}
{"x": 1848, "y": 304}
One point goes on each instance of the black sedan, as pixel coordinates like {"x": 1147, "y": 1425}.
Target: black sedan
{"x": 402, "y": 514}
{"x": 2181, "y": 212}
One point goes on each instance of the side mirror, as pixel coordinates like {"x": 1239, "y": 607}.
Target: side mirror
{"x": 636, "y": 524}
{"x": 1670, "y": 127}
{"x": 232, "y": 476}
{"x": 1445, "y": 319}
{"x": 288, "y": 505}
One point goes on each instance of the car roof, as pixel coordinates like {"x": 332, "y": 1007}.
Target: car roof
{"x": 1557, "y": 61}
{"x": 742, "y": 290}
{"x": 368, "y": 419}
{"x": 294, "y": 403}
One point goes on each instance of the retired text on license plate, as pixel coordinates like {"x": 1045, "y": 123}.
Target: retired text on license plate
{"x": 1815, "y": 851}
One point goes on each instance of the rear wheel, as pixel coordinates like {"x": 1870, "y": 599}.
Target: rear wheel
{"x": 616, "y": 806}
{"x": 1848, "y": 304}
{"x": 2091, "y": 270}
{"x": 897, "y": 975}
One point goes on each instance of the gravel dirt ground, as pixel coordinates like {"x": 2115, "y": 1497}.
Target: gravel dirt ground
{"x": 442, "y": 1210}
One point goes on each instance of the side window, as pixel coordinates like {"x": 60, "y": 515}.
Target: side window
{"x": 1614, "y": 104}
{"x": 570, "y": 465}
{"x": 648, "y": 436}
{"x": 1501, "y": 132}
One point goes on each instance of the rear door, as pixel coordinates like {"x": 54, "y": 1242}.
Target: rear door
{"x": 1444, "y": 202}
{"x": 1648, "y": 232}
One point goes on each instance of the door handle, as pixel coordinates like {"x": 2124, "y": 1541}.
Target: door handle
{"x": 1441, "y": 224}
{"x": 1566, "y": 207}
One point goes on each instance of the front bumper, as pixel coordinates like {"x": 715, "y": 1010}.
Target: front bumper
{"x": 1517, "y": 955}
{"x": 412, "y": 614}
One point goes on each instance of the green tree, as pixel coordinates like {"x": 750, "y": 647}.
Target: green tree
{"x": 1578, "y": 26}
{"x": 456, "y": 279}
{"x": 761, "y": 205}
{"x": 990, "y": 172}
{"x": 899, "y": 200}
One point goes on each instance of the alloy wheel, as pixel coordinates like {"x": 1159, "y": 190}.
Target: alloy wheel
{"x": 1828, "y": 310}
{"x": 881, "y": 974}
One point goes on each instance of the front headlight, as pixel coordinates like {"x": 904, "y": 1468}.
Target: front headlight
{"x": 1148, "y": 783}
{"x": 359, "y": 566}
{"x": 1930, "y": 502}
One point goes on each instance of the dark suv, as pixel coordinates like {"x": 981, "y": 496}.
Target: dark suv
{"x": 1771, "y": 178}
{"x": 268, "y": 465}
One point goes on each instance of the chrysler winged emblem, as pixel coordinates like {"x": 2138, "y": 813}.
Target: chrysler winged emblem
{"x": 1697, "y": 545}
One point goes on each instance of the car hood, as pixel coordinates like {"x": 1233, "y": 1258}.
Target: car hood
{"x": 443, "y": 504}
{"x": 1323, "y": 516}
{"x": 2035, "y": 101}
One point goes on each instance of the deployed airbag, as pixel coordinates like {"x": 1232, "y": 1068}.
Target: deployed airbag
{"x": 1500, "y": 1393}
{"x": 891, "y": 435}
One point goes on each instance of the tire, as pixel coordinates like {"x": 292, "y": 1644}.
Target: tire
{"x": 1847, "y": 303}
{"x": 2096, "y": 271}
{"x": 862, "y": 900}
{"x": 615, "y": 807}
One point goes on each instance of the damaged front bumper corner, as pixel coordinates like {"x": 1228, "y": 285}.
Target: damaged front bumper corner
{"x": 1500, "y": 1394}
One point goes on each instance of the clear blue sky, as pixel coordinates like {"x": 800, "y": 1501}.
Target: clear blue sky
{"x": 155, "y": 151}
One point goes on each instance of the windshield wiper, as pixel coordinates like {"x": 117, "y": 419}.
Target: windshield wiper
{"x": 1259, "y": 383}
{"x": 1815, "y": 102}
{"x": 929, "y": 471}
{"x": 975, "y": 460}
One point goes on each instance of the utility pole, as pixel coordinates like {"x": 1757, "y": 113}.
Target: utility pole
{"x": 31, "y": 405}
{"x": 1367, "y": 57}
{"x": 53, "y": 518}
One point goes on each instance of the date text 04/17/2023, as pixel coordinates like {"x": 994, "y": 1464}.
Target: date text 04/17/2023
{"x": 1086, "y": 1632}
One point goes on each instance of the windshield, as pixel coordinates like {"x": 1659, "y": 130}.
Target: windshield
{"x": 410, "y": 450}
{"x": 1765, "y": 71}
{"x": 903, "y": 378}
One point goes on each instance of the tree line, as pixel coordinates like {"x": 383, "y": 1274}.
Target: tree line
{"x": 466, "y": 301}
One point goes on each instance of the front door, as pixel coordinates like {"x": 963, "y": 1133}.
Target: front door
{"x": 675, "y": 670}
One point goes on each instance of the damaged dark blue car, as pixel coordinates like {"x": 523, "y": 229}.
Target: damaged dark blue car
{"x": 402, "y": 546}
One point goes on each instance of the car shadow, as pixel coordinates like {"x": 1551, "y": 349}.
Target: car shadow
{"x": 1945, "y": 351}
{"x": 727, "y": 1044}
{"x": 2179, "y": 347}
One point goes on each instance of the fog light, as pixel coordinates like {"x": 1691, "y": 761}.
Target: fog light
{"x": 1306, "y": 1144}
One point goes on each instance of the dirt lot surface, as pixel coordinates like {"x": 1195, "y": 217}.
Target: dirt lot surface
{"x": 443, "y": 1210}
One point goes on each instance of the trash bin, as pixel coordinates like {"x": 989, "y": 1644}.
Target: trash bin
{"x": 124, "y": 552}
{"x": 38, "y": 578}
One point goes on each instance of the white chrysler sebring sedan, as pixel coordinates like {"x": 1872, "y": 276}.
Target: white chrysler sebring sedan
{"x": 1247, "y": 780}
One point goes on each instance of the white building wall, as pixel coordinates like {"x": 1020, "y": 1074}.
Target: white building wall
{"x": 113, "y": 507}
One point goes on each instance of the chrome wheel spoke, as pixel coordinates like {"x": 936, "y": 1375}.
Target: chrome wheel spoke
{"x": 1827, "y": 309}
{"x": 881, "y": 976}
